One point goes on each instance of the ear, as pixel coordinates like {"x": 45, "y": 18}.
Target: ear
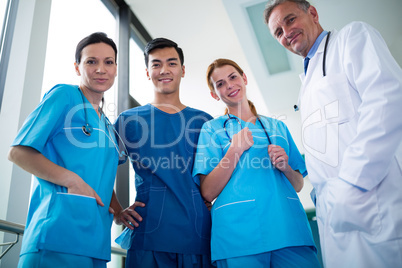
{"x": 146, "y": 70}
{"x": 77, "y": 69}
{"x": 214, "y": 95}
{"x": 183, "y": 69}
{"x": 313, "y": 12}
{"x": 245, "y": 78}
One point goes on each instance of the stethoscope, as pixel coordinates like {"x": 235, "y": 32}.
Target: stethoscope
{"x": 87, "y": 128}
{"x": 324, "y": 73}
{"x": 238, "y": 121}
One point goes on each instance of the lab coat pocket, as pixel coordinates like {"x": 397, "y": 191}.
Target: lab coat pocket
{"x": 332, "y": 96}
{"x": 75, "y": 226}
{"x": 350, "y": 209}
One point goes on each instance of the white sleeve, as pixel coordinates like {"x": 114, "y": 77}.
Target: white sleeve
{"x": 377, "y": 77}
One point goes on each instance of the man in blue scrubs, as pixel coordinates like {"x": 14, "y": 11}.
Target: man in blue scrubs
{"x": 170, "y": 222}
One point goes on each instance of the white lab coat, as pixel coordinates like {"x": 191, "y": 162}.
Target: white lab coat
{"x": 352, "y": 133}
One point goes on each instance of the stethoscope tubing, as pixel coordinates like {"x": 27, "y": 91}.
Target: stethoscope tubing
{"x": 238, "y": 121}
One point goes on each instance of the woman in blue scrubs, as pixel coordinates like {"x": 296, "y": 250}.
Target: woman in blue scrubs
{"x": 250, "y": 167}
{"x": 69, "y": 146}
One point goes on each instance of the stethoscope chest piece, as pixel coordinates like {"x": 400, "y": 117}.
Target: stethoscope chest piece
{"x": 87, "y": 129}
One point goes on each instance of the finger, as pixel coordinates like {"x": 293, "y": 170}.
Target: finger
{"x": 138, "y": 204}
{"x": 130, "y": 219}
{"x": 127, "y": 224}
{"x": 99, "y": 200}
{"x": 111, "y": 210}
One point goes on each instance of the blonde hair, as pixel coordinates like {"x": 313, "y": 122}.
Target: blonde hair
{"x": 220, "y": 63}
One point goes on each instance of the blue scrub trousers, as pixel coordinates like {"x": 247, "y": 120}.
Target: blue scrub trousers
{"x": 290, "y": 257}
{"x": 51, "y": 259}
{"x": 155, "y": 259}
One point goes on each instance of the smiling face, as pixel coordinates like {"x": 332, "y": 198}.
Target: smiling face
{"x": 165, "y": 70}
{"x": 97, "y": 68}
{"x": 294, "y": 28}
{"x": 229, "y": 85}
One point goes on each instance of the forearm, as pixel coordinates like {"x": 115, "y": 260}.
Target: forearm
{"x": 213, "y": 183}
{"x": 37, "y": 164}
{"x": 115, "y": 204}
{"x": 295, "y": 178}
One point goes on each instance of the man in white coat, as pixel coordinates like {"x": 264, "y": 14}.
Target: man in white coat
{"x": 350, "y": 105}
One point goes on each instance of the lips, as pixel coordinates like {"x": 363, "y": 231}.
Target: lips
{"x": 234, "y": 93}
{"x": 101, "y": 80}
{"x": 165, "y": 80}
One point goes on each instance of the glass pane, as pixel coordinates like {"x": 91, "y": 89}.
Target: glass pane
{"x": 70, "y": 21}
{"x": 140, "y": 87}
{"x": 3, "y": 6}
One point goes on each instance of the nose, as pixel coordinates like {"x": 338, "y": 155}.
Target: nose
{"x": 164, "y": 69}
{"x": 229, "y": 85}
{"x": 101, "y": 68}
{"x": 287, "y": 33}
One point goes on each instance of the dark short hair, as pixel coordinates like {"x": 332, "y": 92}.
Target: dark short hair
{"x": 162, "y": 43}
{"x": 302, "y": 4}
{"x": 94, "y": 38}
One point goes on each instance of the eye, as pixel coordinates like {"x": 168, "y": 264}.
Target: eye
{"x": 173, "y": 64}
{"x": 219, "y": 84}
{"x": 155, "y": 65}
{"x": 232, "y": 77}
{"x": 110, "y": 62}
{"x": 90, "y": 62}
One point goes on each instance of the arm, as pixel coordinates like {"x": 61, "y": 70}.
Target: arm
{"x": 376, "y": 76}
{"x": 36, "y": 163}
{"x": 280, "y": 160}
{"x": 213, "y": 183}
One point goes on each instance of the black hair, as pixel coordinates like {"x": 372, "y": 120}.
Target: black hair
{"x": 94, "y": 38}
{"x": 162, "y": 43}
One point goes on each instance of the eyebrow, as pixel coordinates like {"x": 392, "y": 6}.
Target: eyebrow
{"x": 170, "y": 59}
{"x": 222, "y": 79}
{"x": 284, "y": 20}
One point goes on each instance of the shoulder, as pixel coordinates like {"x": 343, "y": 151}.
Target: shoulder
{"x": 139, "y": 110}
{"x": 62, "y": 89}
{"x": 356, "y": 29}
{"x": 196, "y": 112}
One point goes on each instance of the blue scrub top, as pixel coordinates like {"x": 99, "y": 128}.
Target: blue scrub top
{"x": 162, "y": 148}
{"x": 258, "y": 210}
{"x": 56, "y": 220}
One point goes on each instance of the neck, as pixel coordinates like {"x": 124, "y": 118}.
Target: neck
{"x": 93, "y": 97}
{"x": 243, "y": 112}
{"x": 169, "y": 103}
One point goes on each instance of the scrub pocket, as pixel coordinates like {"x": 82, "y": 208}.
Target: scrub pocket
{"x": 75, "y": 225}
{"x": 351, "y": 209}
{"x": 235, "y": 229}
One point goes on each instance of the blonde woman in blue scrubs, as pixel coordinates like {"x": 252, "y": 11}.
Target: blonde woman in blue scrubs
{"x": 68, "y": 144}
{"x": 250, "y": 165}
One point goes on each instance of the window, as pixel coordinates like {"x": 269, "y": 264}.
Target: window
{"x": 140, "y": 87}
{"x": 70, "y": 21}
{"x": 6, "y": 24}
